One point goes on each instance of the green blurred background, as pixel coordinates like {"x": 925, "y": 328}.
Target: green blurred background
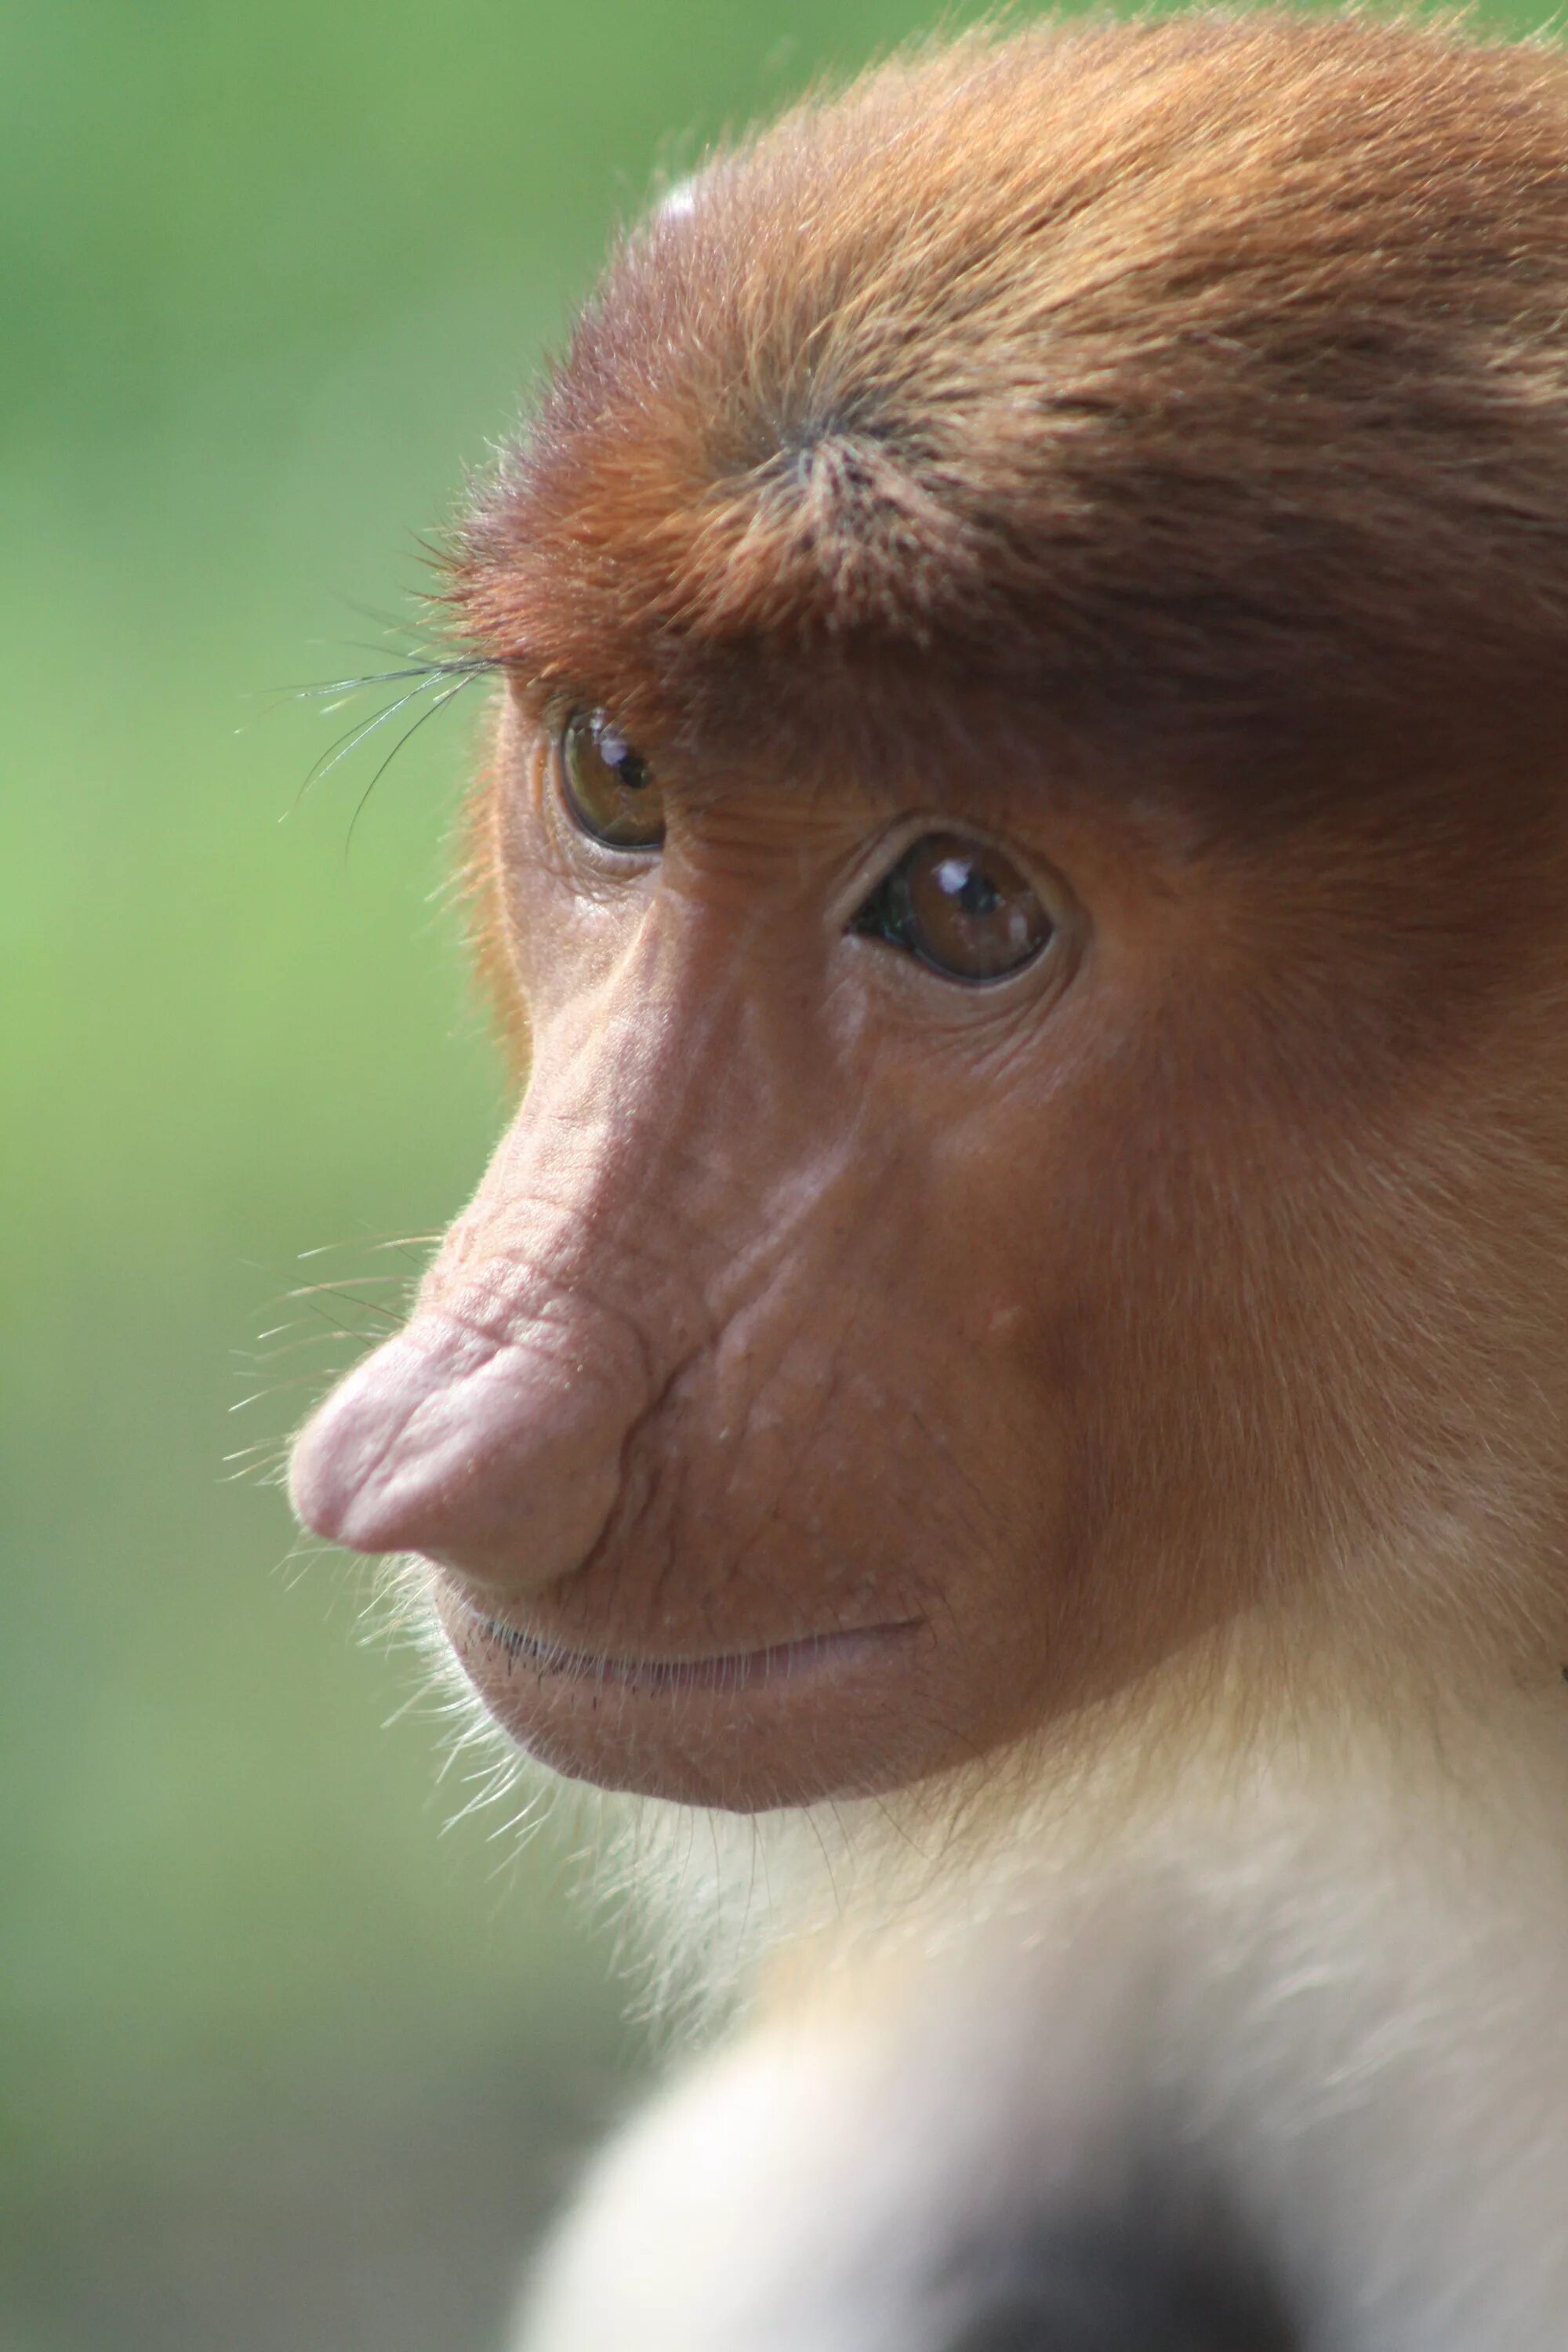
{"x": 283, "y": 2067}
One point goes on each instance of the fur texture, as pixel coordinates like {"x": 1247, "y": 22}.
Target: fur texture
{"x": 1311, "y": 2033}
{"x": 1205, "y": 375}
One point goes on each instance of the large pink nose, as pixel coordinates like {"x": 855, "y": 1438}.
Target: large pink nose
{"x": 500, "y": 1456}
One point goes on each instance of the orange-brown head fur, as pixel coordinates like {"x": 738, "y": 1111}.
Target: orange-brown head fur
{"x": 1146, "y": 446}
{"x": 1203, "y": 374}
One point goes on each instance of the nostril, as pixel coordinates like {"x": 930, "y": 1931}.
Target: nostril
{"x": 501, "y": 1456}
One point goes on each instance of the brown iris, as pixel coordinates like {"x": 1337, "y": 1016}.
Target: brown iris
{"x": 960, "y": 907}
{"x": 608, "y": 789}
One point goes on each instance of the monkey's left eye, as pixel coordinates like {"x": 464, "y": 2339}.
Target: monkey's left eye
{"x": 608, "y": 789}
{"x": 961, "y": 907}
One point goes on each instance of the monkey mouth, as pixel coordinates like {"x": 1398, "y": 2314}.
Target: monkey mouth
{"x": 546, "y": 1658}
{"x": 745, "y": 1729}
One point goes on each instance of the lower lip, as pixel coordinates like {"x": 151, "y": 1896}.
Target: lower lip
{"x": 812, "y": 1659}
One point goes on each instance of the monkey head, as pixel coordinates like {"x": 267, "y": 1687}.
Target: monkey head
{"x": 1022, "y": 851}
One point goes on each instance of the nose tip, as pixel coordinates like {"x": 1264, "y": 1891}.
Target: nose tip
{"x": 497, "y": 1456}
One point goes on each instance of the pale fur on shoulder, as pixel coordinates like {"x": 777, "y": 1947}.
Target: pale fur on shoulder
{"x": 715, "y": 1909}
{"x": 1283, "y": 2022}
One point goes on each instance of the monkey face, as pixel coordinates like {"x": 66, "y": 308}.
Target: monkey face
{"x": 713, "y": 1411}
{"x": 912, "y": 1298}
{"x": 1025, "y": 840}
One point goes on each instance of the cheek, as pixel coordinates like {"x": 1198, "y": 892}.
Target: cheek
{"x": 1111, "y": 1349}
{"x": 1213, "y": 1384}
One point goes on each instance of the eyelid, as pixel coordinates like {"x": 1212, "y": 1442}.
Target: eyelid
{"x": 881, "y": 857}
{"x": 876, "y": 859}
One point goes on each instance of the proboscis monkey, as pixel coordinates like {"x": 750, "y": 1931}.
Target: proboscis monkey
{"x": 1021, "y": 1327}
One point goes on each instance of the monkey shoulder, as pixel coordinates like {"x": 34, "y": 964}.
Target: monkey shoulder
{"x": 809, "y": 2189}
{"x": 944, "y": 2155}
{"x": 1206, "y": 2104}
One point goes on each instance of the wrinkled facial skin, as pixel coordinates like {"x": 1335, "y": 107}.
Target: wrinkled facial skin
{"x": 841, "y": 1369}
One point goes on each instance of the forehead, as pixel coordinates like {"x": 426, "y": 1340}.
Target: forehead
{"x": 1111, "y": 380}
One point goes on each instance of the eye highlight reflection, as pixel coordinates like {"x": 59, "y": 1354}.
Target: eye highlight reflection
{"x": 960, "y": 907}
{"x": 607, "y": 789}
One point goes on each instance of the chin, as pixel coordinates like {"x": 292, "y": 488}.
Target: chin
{"x": 743, "y": 1730}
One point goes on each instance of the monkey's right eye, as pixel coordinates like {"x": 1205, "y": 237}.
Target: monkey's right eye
{"x": 608, "y": 789}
